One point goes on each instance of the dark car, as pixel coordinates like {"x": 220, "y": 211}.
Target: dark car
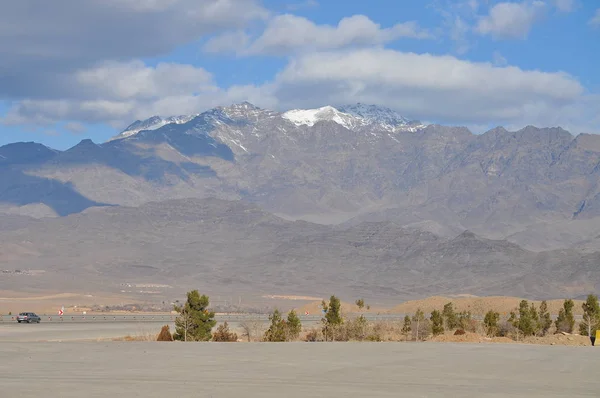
{"x": 28, "y": 317}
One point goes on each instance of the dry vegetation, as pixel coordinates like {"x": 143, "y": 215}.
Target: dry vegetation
{"x": 478, "y": 306}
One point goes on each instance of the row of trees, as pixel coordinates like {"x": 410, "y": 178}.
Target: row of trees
{"x": 195, "y": 322}
{"x": 529, "y": 321}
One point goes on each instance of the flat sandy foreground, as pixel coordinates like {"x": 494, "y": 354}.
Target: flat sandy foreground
{"x": 223, "y": 370}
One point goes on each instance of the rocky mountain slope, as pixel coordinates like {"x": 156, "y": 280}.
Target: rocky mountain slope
{"x": 348, "y": 164}
{"x": 231, "y": 246}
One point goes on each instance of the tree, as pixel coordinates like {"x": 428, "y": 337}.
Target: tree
{"x": 360, "y": 303}
{"x": 437, "y": 323}
{"x": 277, "y": 330}
{"x": 333, "y": 317}
{"x": 535, "y": 320}
{"x": 545, "y": 320}
{"x": 194, "y": 322}
{"x": 251, "y": 329}
{"x": 450, "y": 316}
{"x": 527, "y": 322}
{"x": 223, "y": 334}
{"x": 406, "y": 328}
{"x": 465, "y": 321}
{"x": 293, "y": 326}
{"x": 591, "y": 316}
{"x": 565, "y": 322}
{"x": 490, "y": 323}
{"x": 418, "y": 318}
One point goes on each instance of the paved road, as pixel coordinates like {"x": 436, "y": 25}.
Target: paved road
{"x": 69, "y": 331}
{"x": 98, "y": 318}
{"x": 265, "y": 370}
{"x": 77, "y": 331}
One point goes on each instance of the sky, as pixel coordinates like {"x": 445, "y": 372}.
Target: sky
{"x": 72, "y": 69}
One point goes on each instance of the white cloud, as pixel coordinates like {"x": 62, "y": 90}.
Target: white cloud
{"x": 134, "y": 80}
{"x": 595, "y": 21}
{"x": 444, "y": 89}
{"x": 75, "y": 127}
{"x": 565, "y": 5}
{"x": 303, "y": 4}
{"x": 499, "y": 59}
{"x": 68, "y": 35}
{"x": 511, "y": 20}
{"x": 288, "y": 33}
{"x": 427, "y": 87}
{"x": 136, "y": 91}
{"x": 233, "y": 42}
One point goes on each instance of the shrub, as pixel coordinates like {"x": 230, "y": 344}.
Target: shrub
{"x": 165, "y": 334}
{"x": 312, "y": 335}
{"x": 459, "y": 332}
{"x": 223, "y": 334}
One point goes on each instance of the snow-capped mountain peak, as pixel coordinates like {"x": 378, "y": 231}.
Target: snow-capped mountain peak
{"x": 152, "y": 123}
{"x": 309, "y": 117}
{"x": 354, "y": 116}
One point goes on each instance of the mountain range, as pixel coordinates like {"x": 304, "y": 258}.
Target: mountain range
{"x": 516, "y": 202}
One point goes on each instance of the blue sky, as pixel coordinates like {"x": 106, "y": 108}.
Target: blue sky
{"x": 74, "y": 70}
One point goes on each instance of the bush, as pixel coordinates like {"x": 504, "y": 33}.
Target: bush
{"x": 165, "y": 334}
{"x": 223, "y": 334}
{"x": 459, "y": 332}
{"x": 312, "y": 335}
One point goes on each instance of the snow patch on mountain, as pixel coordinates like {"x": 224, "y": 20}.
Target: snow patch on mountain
{"x": 153, "y": 123}
{"x": 354, "y": 116}
{"x": 309, "y": 117}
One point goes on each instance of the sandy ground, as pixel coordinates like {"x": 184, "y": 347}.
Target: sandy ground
{"x": 79, "y": 331}
{"x": 265, "y": 370}
{"x": 50, "y": 303}
{"x": 551, "y": 339}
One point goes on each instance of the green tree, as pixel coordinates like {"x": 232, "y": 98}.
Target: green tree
{"x": 437, "y": 323}
{"x": 450, "y": 316}
{"x": 535, "y": 320}
{"x": 406, "y": 328}
{"x": 527, "y": 322}
{"x": 490, "y": 322}
{"x": 293, "y": 326}
{"x": 195, "y": 321}
{"x": 419, "y": 317}
{"x": 360, "y": 303}
{"x": 545, "y": 320}
{"x": 333, "y": 317}
{"x": 565, "y": 322}
{"x": 277, "y": 329}
{"x": 591, "y": 316}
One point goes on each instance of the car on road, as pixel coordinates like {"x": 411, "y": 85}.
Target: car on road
{"x": 28, "y": 317}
